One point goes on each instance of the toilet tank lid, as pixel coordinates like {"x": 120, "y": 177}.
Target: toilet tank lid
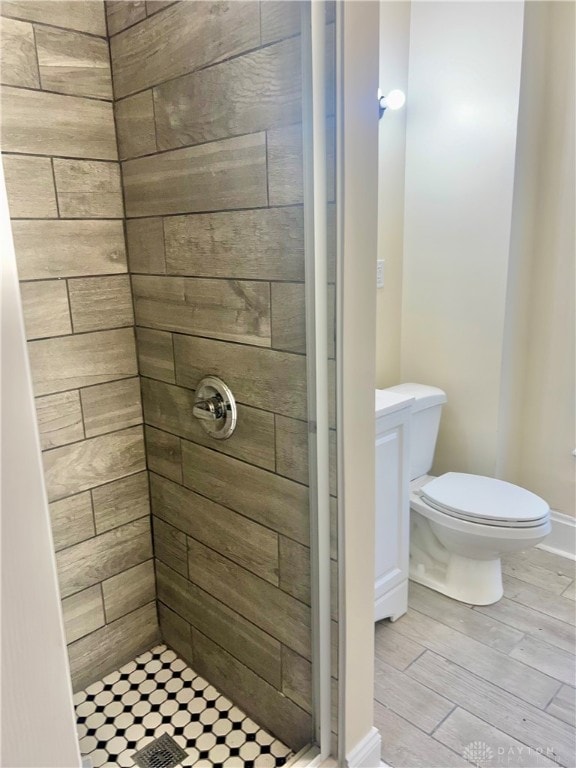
{"x": 424, "y": 395}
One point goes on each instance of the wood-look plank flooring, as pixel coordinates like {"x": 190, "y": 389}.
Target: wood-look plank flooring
{"x": 488, "y": 685}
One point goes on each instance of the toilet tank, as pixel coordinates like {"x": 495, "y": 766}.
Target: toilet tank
{"x": 424, "y": 424}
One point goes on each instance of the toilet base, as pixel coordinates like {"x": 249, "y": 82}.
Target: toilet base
{"x": 476, "y": 582}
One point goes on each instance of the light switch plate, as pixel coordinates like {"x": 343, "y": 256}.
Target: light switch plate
{"x": 380, "y": 273}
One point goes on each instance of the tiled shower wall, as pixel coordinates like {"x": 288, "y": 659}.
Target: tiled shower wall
{"x": 210, "y": 138}
{"x": 63, "y": 181}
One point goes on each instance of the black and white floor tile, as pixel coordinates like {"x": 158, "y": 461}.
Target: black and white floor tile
{"x": 158, "y": 693}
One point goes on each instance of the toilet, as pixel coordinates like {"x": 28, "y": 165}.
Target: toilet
{"x": 462, "y": 524}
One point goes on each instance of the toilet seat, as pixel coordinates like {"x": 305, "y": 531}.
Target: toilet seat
{"x": 484, "y": 500}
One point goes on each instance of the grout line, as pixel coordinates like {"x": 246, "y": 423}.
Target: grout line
{"x": 34, "y": 22}
{"x": 95, "y": 437}
{"x": 422, "y": 652}
{"x": 60, "y": 93}
{"x": 75, "y": 334}
{"x": 56, "y": 197}
{"x": 77, "y": 158}
{"x": 37, "y": 59}
{"x": 443, "y": 720}
{"x": 103, "y": 533}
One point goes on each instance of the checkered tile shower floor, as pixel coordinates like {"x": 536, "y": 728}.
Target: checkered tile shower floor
{"x": 158, "y": 693}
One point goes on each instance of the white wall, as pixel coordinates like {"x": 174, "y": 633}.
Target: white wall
{"x": 394, "y": 48}
{"x": 464, "y": 83}
{"x": 357, "y": 134}
{"x": 546, "y": 423}
{"x": 37, "y": 717}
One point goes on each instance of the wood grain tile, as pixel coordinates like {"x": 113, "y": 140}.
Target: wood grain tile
{"x": 570, "y": 591}
{"x": 394, "y": 649}
{"x": 461, "y": 729}
{"x": 163, "y": 453}
{"x": 549, "y": 659}
{"x": 563, "y": 705}
{"x": 18, "y": 55}
{"x": 109, "y": 407}
{"x": 104, "y": 556}
{"x": 250, "y": 93}
{"x": 87, "y": 16}
{"x": 256, "y": 697}
{"x": 103, "y": 651}
{"x": 170, "y": 546}
{"x": 278, "y": 614}
{"x": 83, "y": 613}
{"x": 79, "y": 466}
{"x": 265, "y": 244}
{"x": 460, "y": 617}
{"x": 496, "y": 667}
{"x": 289, "y": 317}
{"x": 295, "y": 569}
{"x": 221, "y": 175}
{"x": 153, "y": 6}
{"x": 297, "y": 678}
{"x": 262, "y": 496}
{"x": 121, "y": 502}
{"x": 145, "y": 240}
{"x": 176, "y": 632}
{"x": 280, "y": 20}
{"x": 407, "y": 745}
{"x": 72, "y": 520}
{"x": 242, "y": 639}
{"x": 495, "y": 706}
{"x": 170, "y": 408}
{"x": 232, "y": 310}
{"x": 409, "y": 698}
{"x": 553, "y": 631}
{"x": 155, "y": 354}
{"x": 124, "y": 13}
{"x": 69, "y": 362}
{"x": 285, "y": 164}
{"x": 98, "y": 303}
{"x": 30, "y": 187}
{"x": 73, "y": 63}
{"x": 540, "y": 575}
{"x": 245, "y": 542}
{"x": 539, "y": 599}
{"x": 88, "y": 189}
{"x": 262, "y": 378}
{"x": 135, "y": 125}
{"x": 70, "y": 126}
{"x": 46, "y": 249}
{"x": 129, "y": 590}
{"x": 45, "y": 308}
{"x": 292, "y": 451}
{"x": 59, "y": 419}
{"x": 159, "y": 48}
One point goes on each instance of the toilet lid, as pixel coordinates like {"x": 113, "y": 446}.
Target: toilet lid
{"x": 484, "y": 500}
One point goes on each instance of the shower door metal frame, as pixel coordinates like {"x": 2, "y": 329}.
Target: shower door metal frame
{"x": 313, "y": 18}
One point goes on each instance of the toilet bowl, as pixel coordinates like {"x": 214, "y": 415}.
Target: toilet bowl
{"x": 462, "y": 524}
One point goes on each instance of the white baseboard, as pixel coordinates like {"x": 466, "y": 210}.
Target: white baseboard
{"x": 366, "y": 754}
{"x": 562, "y": 539}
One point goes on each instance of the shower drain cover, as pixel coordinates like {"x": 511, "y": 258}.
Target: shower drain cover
{"x": 160, "y": 753}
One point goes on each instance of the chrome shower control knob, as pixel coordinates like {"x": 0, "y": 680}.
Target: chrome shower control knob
{"x": 215, "y": 408}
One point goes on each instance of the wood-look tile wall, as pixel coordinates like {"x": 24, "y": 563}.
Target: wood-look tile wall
{"x": 208, "y": 112}
{"x": 65, "y": 196}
